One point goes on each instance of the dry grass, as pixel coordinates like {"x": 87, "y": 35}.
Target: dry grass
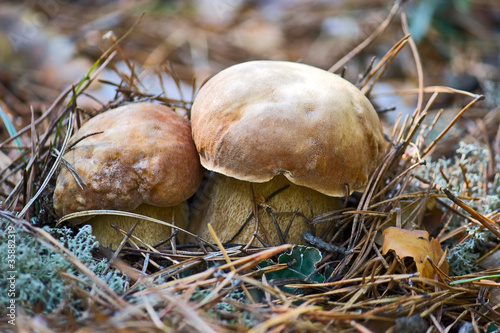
{"x": 364, "y": 292}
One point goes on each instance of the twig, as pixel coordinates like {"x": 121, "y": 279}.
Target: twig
{"x": 318, "y": 242}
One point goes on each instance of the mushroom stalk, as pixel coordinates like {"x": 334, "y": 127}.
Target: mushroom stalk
{"x": 226, "y": 203}
{"x": 150, "y": 233}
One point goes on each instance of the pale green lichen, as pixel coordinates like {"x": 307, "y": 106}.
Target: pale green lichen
{"x": 225, "y": 311}
{"x": 462, "y": 256}
{"x": 473, "y": 159}
{"x": 469, "y": 163}
{"x": 39, "y": 287}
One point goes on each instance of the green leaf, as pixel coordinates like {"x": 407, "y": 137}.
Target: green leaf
{"x": 10, "y": 128}
{"x": 301, "y": 262}
{"x": 491, "y": 328}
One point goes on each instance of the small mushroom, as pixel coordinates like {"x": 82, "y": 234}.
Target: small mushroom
{"x": 138, "y": 158}
{"x": 273, "y": 124}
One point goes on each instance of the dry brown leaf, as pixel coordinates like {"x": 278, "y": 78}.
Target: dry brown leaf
{"x": 415, "y": 244}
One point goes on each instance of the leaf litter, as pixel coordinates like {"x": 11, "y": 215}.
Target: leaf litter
{"x": 213, "y": 287}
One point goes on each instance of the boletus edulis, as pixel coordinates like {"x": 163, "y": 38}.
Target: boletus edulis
{"x": 264, "y": 125}
{"x": 138, "y": 158}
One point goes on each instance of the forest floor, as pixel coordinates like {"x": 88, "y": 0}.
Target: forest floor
{"x": 423, "y": 239}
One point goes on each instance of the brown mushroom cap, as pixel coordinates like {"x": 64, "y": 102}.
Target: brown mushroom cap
{"x": 258, "y": 119}
{"x": 145, "y": 155}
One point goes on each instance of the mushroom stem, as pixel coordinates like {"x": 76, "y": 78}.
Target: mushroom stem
{"x": 149, "y": 232}
{"x": 226, "y": 203}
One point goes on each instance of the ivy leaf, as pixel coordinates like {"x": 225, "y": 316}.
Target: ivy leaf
{"x": 301, "y": 262}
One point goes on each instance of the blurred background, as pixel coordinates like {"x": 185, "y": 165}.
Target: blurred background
{"x": 48, "y": 45}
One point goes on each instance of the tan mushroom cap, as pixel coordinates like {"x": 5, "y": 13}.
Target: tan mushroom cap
{"x": 258, "y": 119}
{"x": 145, "y": 155}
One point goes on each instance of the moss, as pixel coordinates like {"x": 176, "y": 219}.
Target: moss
{"x": 38, "y": 282}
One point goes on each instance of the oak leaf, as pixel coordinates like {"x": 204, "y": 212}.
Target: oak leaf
{"x": 417, "y": 245}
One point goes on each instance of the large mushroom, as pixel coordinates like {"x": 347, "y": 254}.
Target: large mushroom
{"x": 138, "y": 158}
{"x": 278, "y": 123}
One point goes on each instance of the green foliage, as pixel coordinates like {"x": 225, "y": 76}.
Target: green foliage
{"x": 38, "y": 283}
{"x": 492, "y": 328}
{"x": 301, "y": 262}
{"x": 435, "y": 13}
{"x": 10, "y": 127}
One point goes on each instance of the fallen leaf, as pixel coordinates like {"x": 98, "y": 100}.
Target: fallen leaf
{"x": 415, "y": 244}
{"x": 430, "y": 222}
